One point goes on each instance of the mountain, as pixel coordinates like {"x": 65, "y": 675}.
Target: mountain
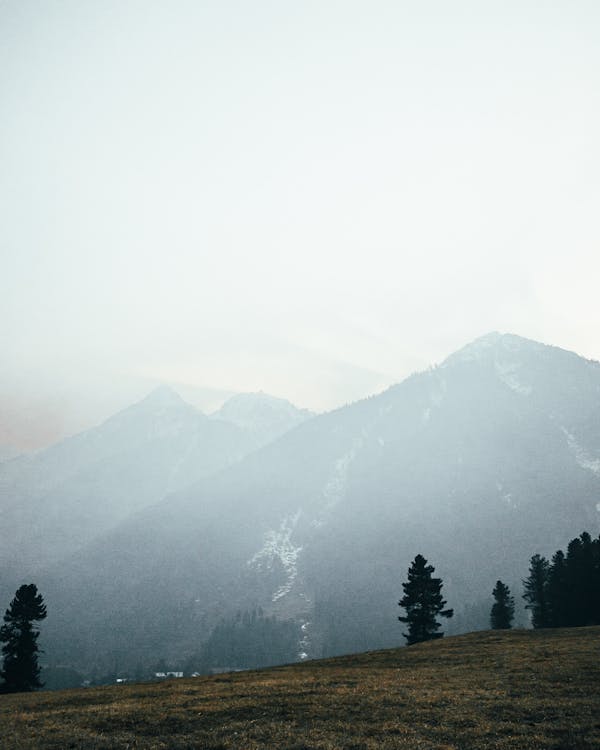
{"x": 263, "y": 416}
{"x": 58, "y": 500}
{"x": 7, "y": 453}
{"x": 476, "y": 464}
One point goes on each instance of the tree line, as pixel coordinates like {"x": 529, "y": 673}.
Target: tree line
{"x": 562, "y": 593}
{"x": 565, "y": 592}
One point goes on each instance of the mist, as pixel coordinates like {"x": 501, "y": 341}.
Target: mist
{"x": 314, "y": 200}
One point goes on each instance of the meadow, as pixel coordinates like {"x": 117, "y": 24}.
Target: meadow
{"x": 525, "y": 690}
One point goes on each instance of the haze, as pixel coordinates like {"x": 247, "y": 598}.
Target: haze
{"x": 313, "y": 199}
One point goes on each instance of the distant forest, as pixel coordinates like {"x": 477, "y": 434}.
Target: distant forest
{"x": 246, "y": 641}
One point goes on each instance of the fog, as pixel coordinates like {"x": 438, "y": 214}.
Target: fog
{"x": 313, "y": 199}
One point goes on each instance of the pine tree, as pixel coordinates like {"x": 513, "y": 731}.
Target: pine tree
{"x": 503, "y": 609}
{"x": 536, "y": 592}
{"x": 573, "y": 584}
{"x": 423, "y": 602}
{"x": 559, "y": 599}
{"x": 581, "y": 581}
{"x": 595, "y": 581}
{"x": 20, "y": 670}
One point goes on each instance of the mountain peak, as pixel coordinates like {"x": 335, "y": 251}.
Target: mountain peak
{"x": 163, "y": 396}
{"x": 489, "y": 345}
{"x": 243, "y": 405}
{"x": 261, "y": 413}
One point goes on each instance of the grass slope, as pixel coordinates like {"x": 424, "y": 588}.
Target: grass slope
{"x": 536, "y": 690}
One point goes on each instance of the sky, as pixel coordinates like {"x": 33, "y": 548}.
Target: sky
{"x": 313, "y": 199}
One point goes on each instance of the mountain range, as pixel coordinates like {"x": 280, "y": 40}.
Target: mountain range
{"x": 476, "y": 463}
{"x": 57, "y": 500}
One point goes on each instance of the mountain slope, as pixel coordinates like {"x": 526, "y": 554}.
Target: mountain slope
{"x": 58, "y": 500}
{"x": 476, "y": 464}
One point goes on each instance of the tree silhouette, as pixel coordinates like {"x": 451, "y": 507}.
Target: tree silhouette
{"x": 536, "y": 591}
{"x": 423, "y": 602}
{"x": 559, "y": 592}
{"x": 20, "y": 670}
{"x": 566, "y": 592}
{"x": 503, "y": 609}
{"x": 581, "y": 580}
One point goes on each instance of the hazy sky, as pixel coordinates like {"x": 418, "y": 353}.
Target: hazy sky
{"x": 309, "y": 198}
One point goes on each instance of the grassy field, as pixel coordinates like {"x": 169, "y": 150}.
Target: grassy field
{"x": 532, "y": 690}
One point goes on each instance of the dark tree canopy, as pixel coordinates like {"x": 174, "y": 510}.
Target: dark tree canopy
{"x": 557, "y": 592}
{"x": 566, "y": 592}
{"x": 582, "y": 581}
{"x": 423, "y": 603}
{"x": 536, "y": 591}
{"x": 503, "y": 609}
{"x": 20, "y": 670}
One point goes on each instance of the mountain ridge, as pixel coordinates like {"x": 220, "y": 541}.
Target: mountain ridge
{"x": 60, "y": 498}
{"x": 320, "y": 524}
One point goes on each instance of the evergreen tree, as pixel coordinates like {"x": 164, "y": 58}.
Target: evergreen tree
{"x": 566, "y": 593}
{"x": 423, "y": 602}
{"x": 581, "y": 585}
{"x": 503, "y": 609}
{"x": 558, "y": 591}
{"x": 20, "y": 670}
{"x": 536, "y": 592}
{"x": 595, "y": 581}
{"x": 572, "y": 591}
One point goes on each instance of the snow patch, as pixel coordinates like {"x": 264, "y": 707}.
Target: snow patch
{"x": 278, "y": 546}
{"x": 304, "y": 641}
{"x": 506, "y": 496}
{"x": 582, "y": 457}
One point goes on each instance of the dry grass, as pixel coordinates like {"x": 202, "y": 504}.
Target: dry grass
{"x": 531, "y": 690}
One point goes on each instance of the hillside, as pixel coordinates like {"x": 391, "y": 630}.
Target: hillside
{"x": 57, "y": 500}
{"x": 477, "y": 464}
{"x": 517, "y": 690}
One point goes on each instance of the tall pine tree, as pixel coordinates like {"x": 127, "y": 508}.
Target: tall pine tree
{"x": 423, "y": 602}
{"x": 20, "y": 670}
{"x": 503, "y": 609}
{"x": 536, "y": 591}
{"x": 559, "y": 596}
{"x": 580, "y": 580}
